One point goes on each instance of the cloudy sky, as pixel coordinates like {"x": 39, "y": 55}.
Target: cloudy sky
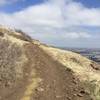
{"x": 65, "y": 23}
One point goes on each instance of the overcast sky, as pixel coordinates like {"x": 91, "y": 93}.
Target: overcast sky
{"x": 65, "y": 23}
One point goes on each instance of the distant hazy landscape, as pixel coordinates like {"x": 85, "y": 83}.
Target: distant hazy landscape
{"x": 93, "y": 54}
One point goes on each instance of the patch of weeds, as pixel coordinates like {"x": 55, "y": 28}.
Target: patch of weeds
{"x": 1, "y": 34}
{"x": 94, "y": 88}
{"x": 9, "y": 57}
{"x": 75, "y": 60}
{"x": 23, "y": 36}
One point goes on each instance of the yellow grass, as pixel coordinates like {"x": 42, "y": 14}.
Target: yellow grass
{"x": 30, "y": 88}
{"x": 80, "y": 66}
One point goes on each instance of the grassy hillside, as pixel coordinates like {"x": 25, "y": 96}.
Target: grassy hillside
{"x": 30, "y": 70}
{"x": 86, "y": 70}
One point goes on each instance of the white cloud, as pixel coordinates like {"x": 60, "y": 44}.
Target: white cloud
{"x": 77, "y": 35}
{"x": 77, "y": 14}
{"x": 51, "y": 16}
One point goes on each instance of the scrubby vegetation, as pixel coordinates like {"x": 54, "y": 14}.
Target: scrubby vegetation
{"x": 9, "y": 57}
{"x": 94, "y": 88}
{"x": 75, "y": 60}
{"x": 23, "y": 35}
{"x": 1, "y": 34}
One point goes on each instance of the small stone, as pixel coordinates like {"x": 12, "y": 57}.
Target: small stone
{"x": 80, "y": 95}
{"x": 7, "y": 84}
{"x": 69, "y": 98}
{"x": 75, "y": 94}
{"x": 58, "y": 96}
{"x": 75, "y": 89}
{"x": 40, "y": 89}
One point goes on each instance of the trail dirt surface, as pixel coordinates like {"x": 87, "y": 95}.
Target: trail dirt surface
{"x": 55, "y": 81}
{"x": 58, "y": 82}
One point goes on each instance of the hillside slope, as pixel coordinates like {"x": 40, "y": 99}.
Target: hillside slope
{"x": 87, "y": 71}
{"x": 30, "y": 70}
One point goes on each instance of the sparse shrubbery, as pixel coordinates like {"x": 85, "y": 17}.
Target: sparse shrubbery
{"x": 23, "y": 35}
{"x": 94, "y": 88}
{"x": 10, "y": 54}
{"x": 1, "y": 34}
{"x": 75, "y": 60}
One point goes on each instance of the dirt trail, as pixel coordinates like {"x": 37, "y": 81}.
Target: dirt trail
{"x": 45, "y": 79}
{"x": 58, "y": 83}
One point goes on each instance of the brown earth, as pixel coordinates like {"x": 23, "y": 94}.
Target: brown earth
{"x": 58, "y": 82}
